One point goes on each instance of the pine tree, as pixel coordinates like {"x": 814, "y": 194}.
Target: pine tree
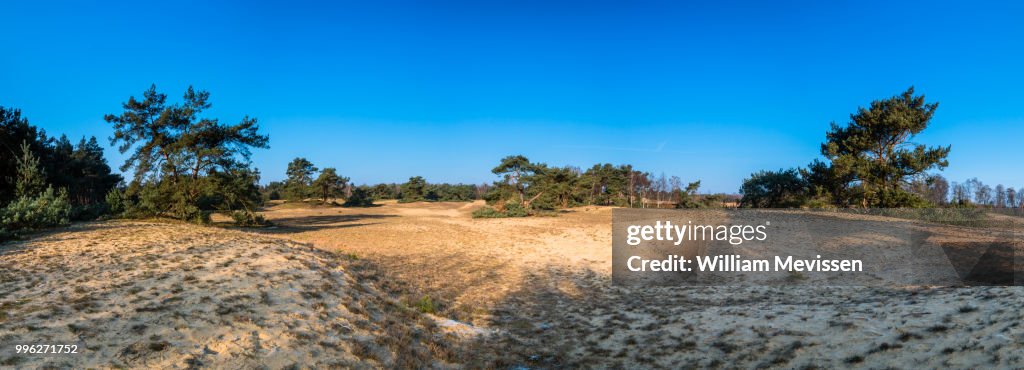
{"x": 31, "y": 180}
{"x": 875, "y": 150}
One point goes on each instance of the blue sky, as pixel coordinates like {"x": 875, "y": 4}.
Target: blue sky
{"x": 386, "y": 90}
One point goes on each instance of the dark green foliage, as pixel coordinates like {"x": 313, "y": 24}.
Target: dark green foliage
{"x": 418, "y": 190}
{"x": 360, "y": 198}
{"x": 30, "y": 180}
{"x": 329, "y": 184}
{"x": 117, "y": 202}
{"x": 273, "y": 191}
{"x": 605, "y": 184}
{"x": 451, "y": 192}
{"x": 384, "y": 191}
{"x": 415, "y": 190}
{"x": 234, "y": 188}
{"x": 511, "y": 210}
{"x": 774, "y": 189}
{"x": 81, "y": 170}
{"x": 517, "y": 172}
{"x": 185, "y": 166}
{"x": 875, "y": 149}
{"x": 14, "y": 132}
{"x": 871, "y": 162}
{"x": 248, "y": 219}
{"x": 34, "y": 208}
{"x": 47, "y": 209}
{"x": 827, "y": 185}
{"x": 299, "y": 184}
{"x": 538, "y": 187}
{"x": 687, "y": 197}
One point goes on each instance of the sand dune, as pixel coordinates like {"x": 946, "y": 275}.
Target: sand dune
{"x": 163, "y": 295}
{"x": 339, "y": 287}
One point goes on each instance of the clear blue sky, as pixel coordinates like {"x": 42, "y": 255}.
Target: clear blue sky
{"x": 386, "y": 90}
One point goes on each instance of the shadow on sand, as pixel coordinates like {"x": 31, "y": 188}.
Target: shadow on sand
{"x": 321, "y": 222}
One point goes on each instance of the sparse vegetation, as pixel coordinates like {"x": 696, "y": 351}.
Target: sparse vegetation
{"x": 536, "y": 188}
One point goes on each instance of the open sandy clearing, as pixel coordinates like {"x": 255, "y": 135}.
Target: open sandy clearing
{"x": 335, "y": 286}
{"x": 544, "y": 283}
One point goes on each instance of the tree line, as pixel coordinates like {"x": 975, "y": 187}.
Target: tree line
{"x": 186, "y": 166}
{"x": 304, "y": 181}
{"x": 526, "y": 188}
{"x": 48, "y": 181}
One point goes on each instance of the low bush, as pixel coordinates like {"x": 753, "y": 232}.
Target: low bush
{"x": 117, "y": 202}
{"x": 48, "y": 209}
{"x": 248, "y": 219}
{"x": 359, "y": 198}
{"x": 511, "y": 210}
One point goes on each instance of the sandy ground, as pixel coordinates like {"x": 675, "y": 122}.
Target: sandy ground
{"x": 166, "y": 295}
{"x": 344, "y": 284}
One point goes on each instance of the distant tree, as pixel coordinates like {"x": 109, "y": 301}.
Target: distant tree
{"x": 415, "y": 190}
{"x": 961, "y": 195}
{"x": 933, "y": 188}
{"x": 298, "y": 185}
{"x": 1011, "y": 197}
{"x": 660, "y": 188}
{"x": 273, "y": 190}
{"x": 639, "y": 186}
{"x": 329, "y": 184}
{"x": 774, "y": 189}
{"x": 675, "y": 184}
{"x": 84, "y": 173}
{"x": 483, "y": 189}
{"x": 560, "y": 184}
{"x": 517, "y": 172}
{"x": 450, "y": 192}
{"x": 982, "y": 193}
{"x": 384, "y": 191}
{"x": 999, "y": 197}
{"x": 606, "y": 184}
{"x": 875, "y": 149}
{"x": 938, "y": 189}
{"x": 687, "y": 197}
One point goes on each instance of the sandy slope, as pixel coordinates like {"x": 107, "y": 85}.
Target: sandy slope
{"x": 544, "y": 284}
{"x": 162, "y": 295}
{"x": 537, "y": 292}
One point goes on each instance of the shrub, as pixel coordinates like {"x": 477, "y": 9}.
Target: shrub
{"x": 89, "y": 212}
{"x": 117, "y": 202}
{"x": 248, "y": 219}
{"x": 511, "y": 210}
{"x": 51, "y": 208}
{"x": 488, "y": 212}
{"x": 426, "y": 305}
{"x": 359, "y": 198}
